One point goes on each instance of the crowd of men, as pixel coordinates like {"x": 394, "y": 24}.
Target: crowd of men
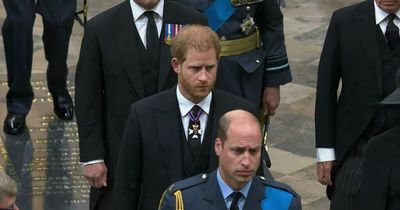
{"x": 168, "y": 107}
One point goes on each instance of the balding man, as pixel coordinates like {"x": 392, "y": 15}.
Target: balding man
{"x": 233, "y": 185}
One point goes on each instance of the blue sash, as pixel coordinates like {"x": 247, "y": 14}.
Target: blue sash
{"x": 218, "y": 13}
{"x": 276, "y": 199}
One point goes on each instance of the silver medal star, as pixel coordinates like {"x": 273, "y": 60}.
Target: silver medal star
{"x": 247, "y": 24}
{"x": 195, "y": 131}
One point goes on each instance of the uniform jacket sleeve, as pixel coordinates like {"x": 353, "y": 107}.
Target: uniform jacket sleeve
{"x": 269, "y": 19}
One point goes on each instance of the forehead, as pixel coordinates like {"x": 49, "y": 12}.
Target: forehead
{"x": 244, "y": 136}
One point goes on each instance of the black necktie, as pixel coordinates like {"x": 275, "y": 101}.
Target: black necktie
{"x": 151, "y": 33}
{"x": 392, "y": 31}
{"x": 194, "y": 130}
{"x": 236, "y": 196}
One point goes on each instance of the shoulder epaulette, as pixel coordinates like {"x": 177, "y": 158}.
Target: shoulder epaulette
{"x": 278, "y": 185}
{"x": 187, "y": 183}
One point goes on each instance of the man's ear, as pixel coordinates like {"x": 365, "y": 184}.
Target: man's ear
{"x": 218, "y": 146}
{"x": 175, "y": 65}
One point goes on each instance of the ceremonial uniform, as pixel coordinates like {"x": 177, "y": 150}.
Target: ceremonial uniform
{"x": 203, "y": 192}
{"x": 253, "y": 45}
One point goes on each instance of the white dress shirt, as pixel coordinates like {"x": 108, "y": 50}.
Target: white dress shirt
{"x": 140, "y": 20}
{"x": 185, "y": 106}
{"x": 328, "y": 154}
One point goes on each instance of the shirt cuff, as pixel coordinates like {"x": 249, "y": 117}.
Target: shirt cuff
{"x": 92, "y": 162}
{"x": 325, "y": 154}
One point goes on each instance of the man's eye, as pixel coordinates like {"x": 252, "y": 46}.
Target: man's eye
{"x": 238, "y": 150}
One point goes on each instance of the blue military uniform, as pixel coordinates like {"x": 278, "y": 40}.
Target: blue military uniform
{"x": 203, "y": 192}
{"x": 253, "y": 45}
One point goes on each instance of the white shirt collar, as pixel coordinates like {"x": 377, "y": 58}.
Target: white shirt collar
{"x": 137, "y": 10}
{"x": 380, "y": 15}
{"x": 185, "y": 105}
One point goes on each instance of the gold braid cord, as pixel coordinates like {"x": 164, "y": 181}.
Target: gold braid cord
{"x": 179, "y": 200}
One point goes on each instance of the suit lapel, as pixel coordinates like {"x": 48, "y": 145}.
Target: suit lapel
{"x": 124, "y": 37}
{"x": 167, "y": 128}
{"x": 369, "y": 40}
{"x": 212, "y": 194}
{"x": 256, "y": 194}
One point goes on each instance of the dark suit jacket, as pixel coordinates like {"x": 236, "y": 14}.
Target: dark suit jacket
{"x": 203, "y": 192}
{"x": 109, "y": 80}
{"x": 351, "y": 54}
{"x": 380, "y": 185}
{"x": 150, "y": 157}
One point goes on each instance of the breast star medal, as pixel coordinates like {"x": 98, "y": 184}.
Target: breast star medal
{"x": 247, "y": 25}
{"x": 195, "y": 131}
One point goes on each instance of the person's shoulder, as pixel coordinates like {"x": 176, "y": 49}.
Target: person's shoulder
{"x": 277, "y": 187}
{"x": 228, "y": 96}
{"x": 182, "y": 7}
{"x": 163, "y": 96}
{"x": 229, "y": 99}
{"x": 190, "y": 14}
{"x": 351, "y": 10}
{"x": 185, "y": 184}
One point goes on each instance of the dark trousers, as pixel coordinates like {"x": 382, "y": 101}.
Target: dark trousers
{"x": 348, "y": 179}
{"x": 58, "y": 18}
{"x": 100, "y": 199}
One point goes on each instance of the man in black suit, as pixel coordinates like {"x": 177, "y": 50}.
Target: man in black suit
{"x": 380, "y": 184}
{"x": 361, "y": 50}
{"x": 58, "y": 18}
{"x": 169, "y": 136}
{"x": 234, "y": 184}
{"x": 120, "y": 63}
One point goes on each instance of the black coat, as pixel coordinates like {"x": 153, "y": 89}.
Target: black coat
{"x": 380, "y": 185}
{"x": 351, "y": 54}
{"x": 109, "y": 78}
{"x": 151, "y": 154}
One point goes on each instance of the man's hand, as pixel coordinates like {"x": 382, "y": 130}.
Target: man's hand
{"x": 96, "y": 174}
{"x": 271, "y": 99}
{"x": 324, "y": 170}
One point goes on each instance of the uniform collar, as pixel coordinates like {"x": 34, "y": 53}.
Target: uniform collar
{"x": 226, "y": 190}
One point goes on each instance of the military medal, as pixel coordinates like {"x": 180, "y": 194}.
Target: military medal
{"x": 247, "y": 25}
{"x": 170, "y": 32}
{"x": 195, "y": 130}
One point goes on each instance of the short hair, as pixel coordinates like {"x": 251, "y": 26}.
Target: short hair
{"x": 8, "y": 187}
{"x": 226, "y": 120}
{"x": 194, "y": 37}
